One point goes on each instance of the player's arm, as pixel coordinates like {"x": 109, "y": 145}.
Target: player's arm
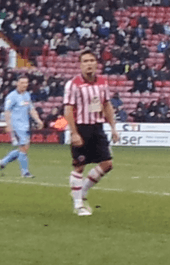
{"x": 69, "y": 116}
{"x": 8, "y": 121}
{"x": 35, "y": 116}
{"x": 109, "y": 114}
{"x": 8, "y": 106}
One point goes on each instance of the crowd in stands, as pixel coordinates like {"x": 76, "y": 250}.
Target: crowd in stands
{"x": 36, "y": 27}
{"x": 157, "y": 111}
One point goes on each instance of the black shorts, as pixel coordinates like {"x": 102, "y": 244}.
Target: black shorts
{"x": 95, "y": 148}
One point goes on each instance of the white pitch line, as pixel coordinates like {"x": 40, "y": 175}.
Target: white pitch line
{"x": 96, "y": 188}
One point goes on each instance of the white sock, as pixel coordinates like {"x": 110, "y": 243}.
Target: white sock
{"x": 76, "y": 181}
{"x": 93, "y": 177}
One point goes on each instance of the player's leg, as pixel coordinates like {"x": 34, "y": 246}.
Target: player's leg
{"x": 76, "y": 182}
{"x": 11, "y": 156}
{"x": 93, "y": 177}
{"x": 102, "y": 155}
{"x": 24, "y": 139}
{"x": 23, "y": 159}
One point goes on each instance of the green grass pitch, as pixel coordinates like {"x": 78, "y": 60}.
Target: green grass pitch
{"x": 129, "y": 226}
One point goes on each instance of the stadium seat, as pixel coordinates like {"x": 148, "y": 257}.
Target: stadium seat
{"x": 58, "y": 99}
{"x": 158, "y": 83}
{"x": 166, "y": 83}
{"x": 51, "y": 99}
{"x": 46, "y": 110}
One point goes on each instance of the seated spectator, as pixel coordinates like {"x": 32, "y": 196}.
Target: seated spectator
{"x": 73, "y": 42}
{"x": 104, "y": 30}
{"x": 139, "y": 114}
{"x": 167, "y": 117}
{"x": 162, "y": 106}
{"x": 143, "y": 52}
{"x": 117, "y": 103}
{"x": 157, "y": 28}
{"x": 139, "y": 85}
{"x": 62, "y": 47}
{"x": 139, "y": 32}
{"x": 134, "y": 57}
{"x": 106, "y": 54}
{"x": 133, "y": 72}
{"x": 118, "y": 68}
{"x": 107, "y": 69}
{"x": 162, "y": 45}
{"x": 164, "y": 74}
{"x": 135, "y": 44}
{"x": 107, "y": 14}
{"x": 153, "y": 106}
{"x": 125, "y": 53}
{"x": 167, "y": 28}
{"x": 154, "y": 73}
{"x": 68, "y": 29}
{"x": 151, "y": 116}
{"x": 53, "y": 116}
{"x": 143, "y": 20}
{"x": 120, "y": 37}
{"x": 27, "y": 41}
{"x": 150, "y": 87}
{"x": 133, "y": 20}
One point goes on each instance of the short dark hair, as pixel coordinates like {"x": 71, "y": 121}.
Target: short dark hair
{"x": 22, "y": 76}
{"x": 87, "y": 51}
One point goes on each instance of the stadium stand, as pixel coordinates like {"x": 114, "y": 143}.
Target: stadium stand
{"x": 50, "y": 35}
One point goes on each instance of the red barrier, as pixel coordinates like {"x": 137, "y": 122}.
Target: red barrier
{"x": 43, "y": 136}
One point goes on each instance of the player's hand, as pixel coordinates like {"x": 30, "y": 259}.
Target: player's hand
{"x": 115, "y": 136}
{"x": 40, "y": 125}
{"x": 76, "y": 140}
{"x": 8, "y": 129}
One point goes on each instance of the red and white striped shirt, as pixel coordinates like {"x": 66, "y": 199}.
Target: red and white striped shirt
{"x": 84, "y": 95}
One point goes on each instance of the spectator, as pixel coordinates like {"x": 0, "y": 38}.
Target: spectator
{"x": 133, "y": 20}
{"x": 139, "y": 32}
{"x": 104, "y": 30}
{"x": 107, "y": 69}
{"x": 62, "y": 46}
{"x": 154, "y": 73}
{"x": 139, "y": 114}
{"x": 106, "y": 55}
{"x": 143, "y": 52}
{"x": 162, "y": 106}
{"x": 27, "y": 41}
{"x": 117, "y": 103}
{"x": 139, "y": 85}
{"x": 118, "y": 68}
{"x": 157, "y": 28}
{"x": 150, "y": 87}
{"x": 164, "y": 74}
{"x": 143, "y": 20}
{"x": 135, "y": 43}
{"x": 53, "y": 116}
{"x": 151, "y": 116}
{"x": 167, "y": 28}
{"x": 167, "y": 117}
{"x": 162, "y": 45}
{"x": 120, "y": 37}
{"x": 73, "y": 43}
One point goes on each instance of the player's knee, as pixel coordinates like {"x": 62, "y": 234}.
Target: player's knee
{"x": 79, "y": 169}
{"x": 108, "y": 166}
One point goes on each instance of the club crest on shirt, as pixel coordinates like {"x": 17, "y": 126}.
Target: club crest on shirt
{"x": 24, "y": 103}
{"x": 95, "y": 105}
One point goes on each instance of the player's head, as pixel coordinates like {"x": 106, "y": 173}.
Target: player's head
{"x": 88, "y": 62}
{"x": 22, "y": 83}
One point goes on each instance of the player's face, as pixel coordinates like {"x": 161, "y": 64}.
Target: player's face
{"x": 22, "y": 85}
{"x": 88, "y": 64}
